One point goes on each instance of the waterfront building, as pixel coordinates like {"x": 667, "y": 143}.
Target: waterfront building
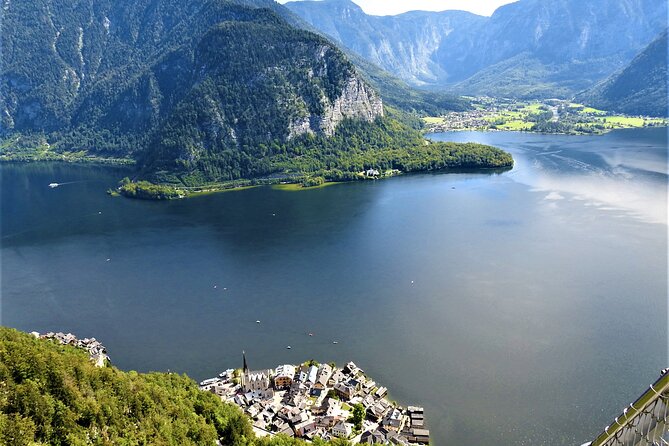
{"x": 283, "y": 376}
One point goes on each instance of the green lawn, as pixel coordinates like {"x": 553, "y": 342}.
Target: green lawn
{"x": 533, "y": 108}
{"x": 624, "y": 121}
{"x": 515, "y": 124}
{"x": 293, "y": 187}
{"x": 433, "y": 120}
{"x": 593, "y": 111}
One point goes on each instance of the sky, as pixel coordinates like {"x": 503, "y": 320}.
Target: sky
{"x": 391, "y": 7}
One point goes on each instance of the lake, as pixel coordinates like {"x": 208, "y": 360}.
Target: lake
{"x": 523, "y": 308}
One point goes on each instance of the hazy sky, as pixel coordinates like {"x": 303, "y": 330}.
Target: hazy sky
{"x": 387, "y": 7}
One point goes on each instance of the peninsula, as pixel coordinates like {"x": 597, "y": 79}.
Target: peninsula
{"x": 323, "y": 401}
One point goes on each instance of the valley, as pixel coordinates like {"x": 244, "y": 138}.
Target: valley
{"x": 547, "y": 116}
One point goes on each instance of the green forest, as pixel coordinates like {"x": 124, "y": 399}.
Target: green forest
{"x": 355, "y": 147}
{"x": 52, "y": 394}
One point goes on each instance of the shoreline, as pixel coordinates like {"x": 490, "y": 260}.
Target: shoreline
{"x": 312, "y": 400}
{"x": 295, "y": 186}
{"x": 432, "y": 131}
{"x": 13, "y": 159}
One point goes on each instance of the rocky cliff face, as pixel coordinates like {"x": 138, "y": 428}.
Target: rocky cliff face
{"x": 404, "y": 44}
{"x": 356, "y": 101}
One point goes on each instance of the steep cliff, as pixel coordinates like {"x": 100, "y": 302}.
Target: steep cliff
{"x": 233, "y": 116}
{"x": 404, "y": 45}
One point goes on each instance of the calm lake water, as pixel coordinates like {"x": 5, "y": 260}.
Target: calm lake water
{"x": 526, "y": 308}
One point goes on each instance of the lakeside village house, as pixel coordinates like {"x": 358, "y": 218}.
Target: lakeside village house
{"x": 314, "y": 400}
{"x": 96, "y": 351}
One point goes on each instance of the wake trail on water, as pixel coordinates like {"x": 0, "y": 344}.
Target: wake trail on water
{"x": 72, "y": 182}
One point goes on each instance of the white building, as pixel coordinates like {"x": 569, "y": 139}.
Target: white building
{"x": 283, "y": 376}
{"x": 342, "y": 430}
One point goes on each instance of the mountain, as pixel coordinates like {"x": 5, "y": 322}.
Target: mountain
{"x": 131, "y": 65}
{"x": 402, "y": 44}
{"x": 638, "y": 89}
{"x": 118, "y": 76}
{"x": 398, "y": 94}
{"x": 526, "y": 48}
{"x": 200, "y": 91}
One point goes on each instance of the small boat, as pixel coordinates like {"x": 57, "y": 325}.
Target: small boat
{"x": 335, "y": 342}
{"x": 257, "y": 322}
{"x": 289, "y": 347}
{"x": 311, "y": 334}
{"x": 52, "y": 185}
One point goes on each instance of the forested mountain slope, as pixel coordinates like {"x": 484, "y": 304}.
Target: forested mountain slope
{"x": 640, "y": 88}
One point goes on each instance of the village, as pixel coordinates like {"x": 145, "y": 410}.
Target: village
{"x": 95, "y": 349}
{"x": 320, "y": 400}
{"x": 545, "y": 116}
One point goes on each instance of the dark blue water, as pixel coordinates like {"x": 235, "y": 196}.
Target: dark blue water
{"x": 521, "y": 308}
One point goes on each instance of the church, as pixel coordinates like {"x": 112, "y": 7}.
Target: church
{"x": 257, "y": 383}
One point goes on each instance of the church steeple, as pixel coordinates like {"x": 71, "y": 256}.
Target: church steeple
{"x": 245, "y": 370}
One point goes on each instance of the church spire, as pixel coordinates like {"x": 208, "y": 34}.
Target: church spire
{"x": 245, "y": 368}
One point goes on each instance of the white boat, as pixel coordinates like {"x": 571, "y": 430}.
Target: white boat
{"x": 257, "y": 322}
{"x": 52, "y": 185}
{"x": 289, "y": 347}
{"x": 335, "y": 342}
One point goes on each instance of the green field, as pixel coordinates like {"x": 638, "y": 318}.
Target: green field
{"x": 515, "y": 125}
{"x": 533, "y": 108}
{"x": 624, "y": 121}
{"x": 295, "y": 187}
{"x": 433, "y": 120}
{"x": 553, "y": 116}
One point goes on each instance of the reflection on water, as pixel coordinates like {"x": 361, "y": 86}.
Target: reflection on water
{"x": 624, "y": 170}
{"x": 509, "y": 305}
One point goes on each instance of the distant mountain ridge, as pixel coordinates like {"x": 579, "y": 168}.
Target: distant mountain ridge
{"x": 526, "y": 48}
{"x": 400, "y": 44}
{"x": 640, "y": 88}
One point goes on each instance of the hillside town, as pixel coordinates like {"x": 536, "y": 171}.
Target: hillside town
{"x": 95, "y": 349}
{"x": 320, "y": 400}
